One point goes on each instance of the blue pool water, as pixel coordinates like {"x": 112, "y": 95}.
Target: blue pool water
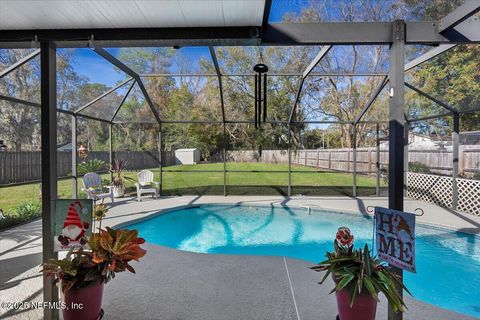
{"x": 448, "y": 263}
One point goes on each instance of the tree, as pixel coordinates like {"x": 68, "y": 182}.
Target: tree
{"x": 453, "y": 76}
{"x": 20, "y": 124}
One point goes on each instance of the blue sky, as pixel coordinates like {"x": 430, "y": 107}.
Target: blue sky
{"x": 91, "y": 65}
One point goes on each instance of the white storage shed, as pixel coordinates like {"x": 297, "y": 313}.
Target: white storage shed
{"x": 187, "y": 156}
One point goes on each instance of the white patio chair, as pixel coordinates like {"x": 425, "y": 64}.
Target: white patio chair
{"x": 92, "y": 186}
{"x": 146, "y": 184}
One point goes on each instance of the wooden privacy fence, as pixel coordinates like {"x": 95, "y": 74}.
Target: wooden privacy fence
{"x": 25, "y": 166}
{"x": 437, "y": 161}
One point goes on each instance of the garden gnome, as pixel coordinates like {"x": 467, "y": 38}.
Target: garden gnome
{"x": 73, "y": 227}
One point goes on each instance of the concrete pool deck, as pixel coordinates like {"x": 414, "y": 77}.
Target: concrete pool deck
{"x": 172, "y": 284}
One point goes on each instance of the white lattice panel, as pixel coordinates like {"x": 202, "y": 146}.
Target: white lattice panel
{"x": 469, "y": 196}
{"x": 430, "y": 188}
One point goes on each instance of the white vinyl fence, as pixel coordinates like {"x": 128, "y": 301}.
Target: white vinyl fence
{"x": 439, "y": 190}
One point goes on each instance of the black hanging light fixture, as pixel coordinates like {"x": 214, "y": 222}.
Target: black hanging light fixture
{"x": 260, "y": 92}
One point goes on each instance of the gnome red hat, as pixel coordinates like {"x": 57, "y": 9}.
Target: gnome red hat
{"x": 72, "y": 215}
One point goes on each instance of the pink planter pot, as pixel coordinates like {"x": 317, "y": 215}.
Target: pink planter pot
{"x": 84, "y": 303}
{"x": 364, "y": 307}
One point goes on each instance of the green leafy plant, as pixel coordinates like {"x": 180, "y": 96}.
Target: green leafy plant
{"x": 94, "y": 165}
{"x": 110, "y": 252}
{"x": 118, "y": 169}
{"x": 357, "y": 271}
{"x": 25, "y": 211}
{"x": 384, "y": 174}
{"x": 418, "y": 167}
{"x": 29, "y": 210}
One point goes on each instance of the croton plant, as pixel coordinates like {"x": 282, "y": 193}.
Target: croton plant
{"x": 359, "y": 272}
{"x": 110, "y": 252}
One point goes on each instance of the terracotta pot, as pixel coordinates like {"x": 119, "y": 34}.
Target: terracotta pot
{"x": 88, "y": 302}
{"x": 364, "y": 307}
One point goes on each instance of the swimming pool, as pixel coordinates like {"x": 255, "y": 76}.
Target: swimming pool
{"x": 448, "y": 263}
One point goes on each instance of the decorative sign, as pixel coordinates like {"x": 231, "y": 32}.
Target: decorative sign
{"x": 73, "y": 223}
{"x": 395, "y": 233}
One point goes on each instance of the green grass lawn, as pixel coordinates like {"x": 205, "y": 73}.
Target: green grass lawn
{"x": 244, "y": 183}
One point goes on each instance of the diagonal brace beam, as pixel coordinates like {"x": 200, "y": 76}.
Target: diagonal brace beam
{"x": 370, "y": 101}
{"x": 410, "y": 65}
{"x": 305, "y": 74}
{"x": 102, "y": 95}
{"x": 19, "y": 63}
{"x": 120, "y": 65}
{"x": 19, "y": 101}
{"x": 219, "y": 75}
{"x": 123, "y": 100}
{"x": 457, "y": 16}
{"x": 428, "y": 55}
{"x": 429, "y": 97}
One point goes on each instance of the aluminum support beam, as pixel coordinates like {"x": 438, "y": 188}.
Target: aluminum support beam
{"x": 297, "y": 34}
{"x": 436, "y": 116}
{"x": 457, "y": 16}
{"x": 429, "y": 97}
{"x": 281, "y": 74}
{"x": 117, "y": 63}
{"x": 289, "y": 191}
{"x": 20, "y": 101}
{"x": 19, "y": 63}
{"x": 266, "y": 14}
{"x": 160, "y": 156}
{"x": 224, "y": 154}
{"x": 405, "y": 157}
{"x": 456, "y": 153}
{"x": 396, "y": 136}
{"x": 219, "y": 75}
{"x": 110, "y": 150}
{"x": 354, "y": 169}
{"x": 74, "y": 158}
{"x": 370, "y": 101}
{"x": 377, "y": 162}
{"x": 102, "y": 95}
{"x": 247, "y": 122}
{"x": 48, "y": 89}
{"x": 316, "y": 61}
{"x": 307, "y": 71}
{"x": 123, "y": 100}
{"x": 134, "y": 37}
{"x": 38, "y": 105}
{"x": 222, "y": 105}
{"x": 429, "y": 55}
{"x": 466, "y": 32}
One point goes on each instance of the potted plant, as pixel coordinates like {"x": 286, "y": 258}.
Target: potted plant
{"x": 359, "y": 278}
{"x": 119, "y": 179}
{"x": 83, "y": 273}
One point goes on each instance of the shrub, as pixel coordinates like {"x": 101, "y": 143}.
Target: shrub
{"x": 418, "y": 167}
{"x": 29, "y": 209}
{"x": 25, "y": 211}
{"x": 94, "y": 165}
{"x": 384, "y": 174}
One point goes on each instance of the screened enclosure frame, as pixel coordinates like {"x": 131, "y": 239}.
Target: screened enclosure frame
{"x": 458, "y": 27}
{"x": 135, "y": 78}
